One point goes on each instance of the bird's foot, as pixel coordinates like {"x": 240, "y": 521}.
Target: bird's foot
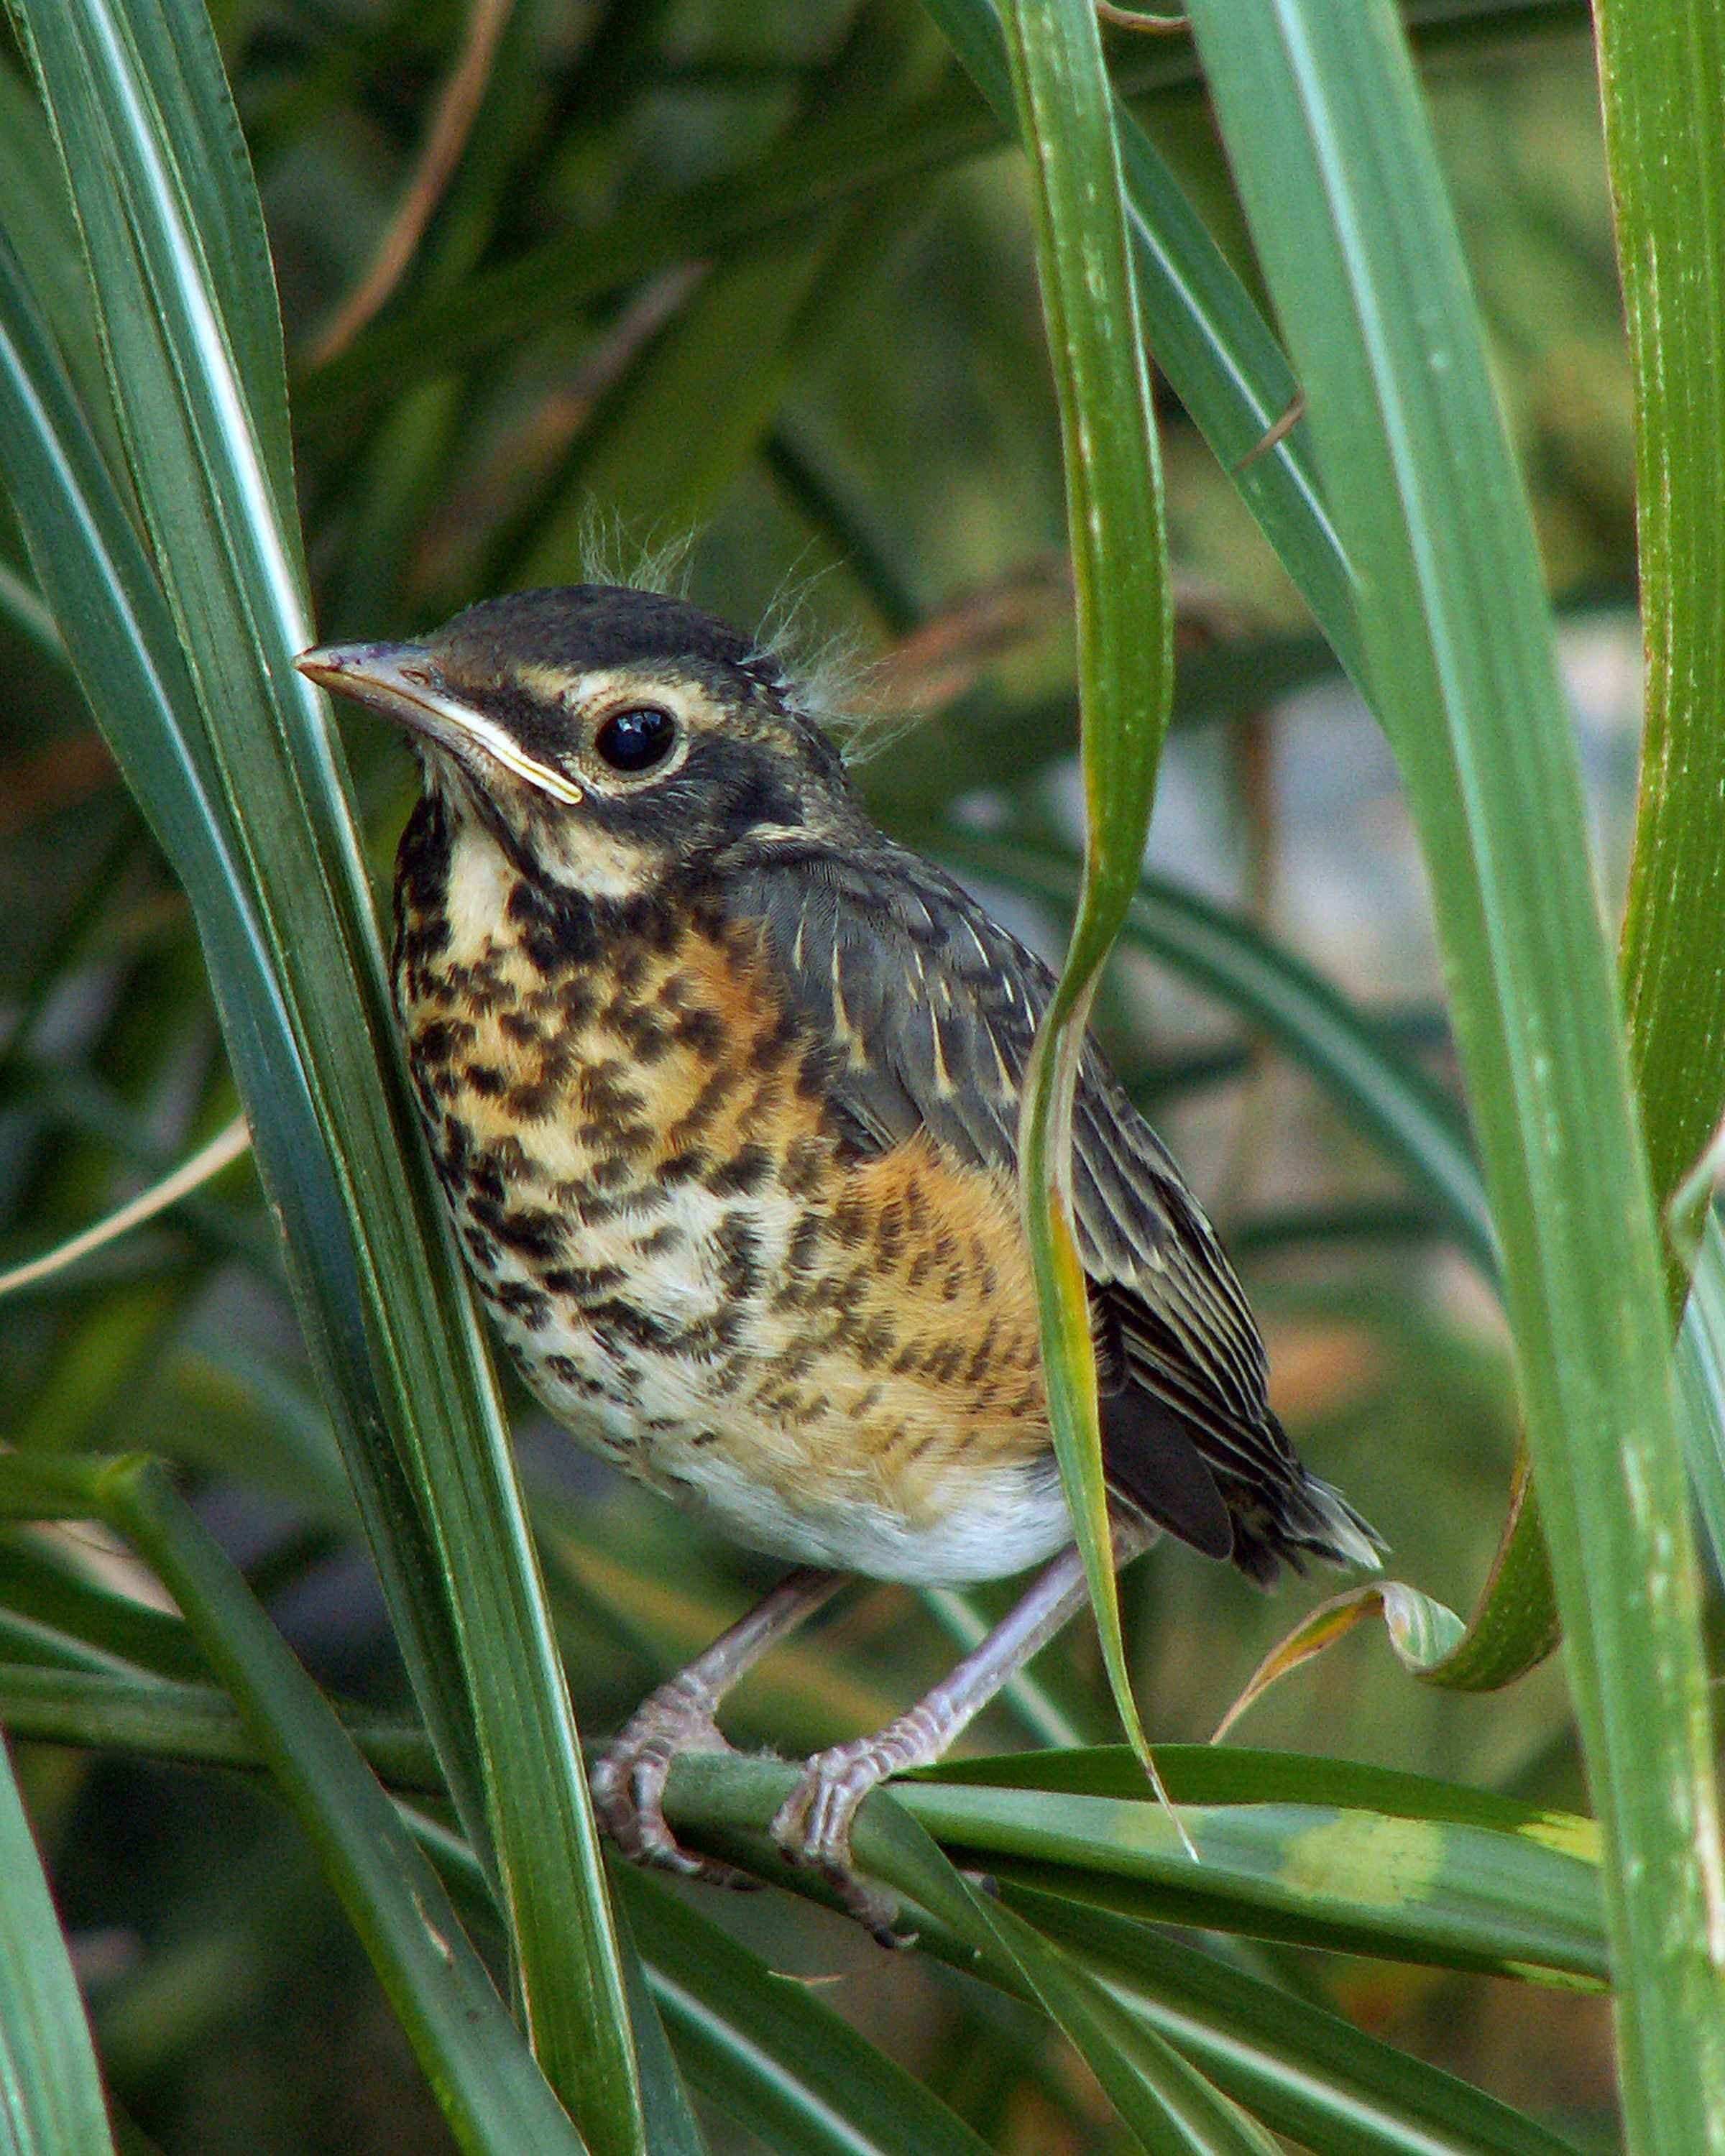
{"x": 627, "y": 1781}
{"x": 812, "y": 1827}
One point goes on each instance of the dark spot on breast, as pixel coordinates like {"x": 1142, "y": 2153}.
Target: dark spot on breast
{"x": 438, "y": 1042}
{"x": 702, "y": 1110}
{"x": 584, "y": 1282}
{"x": 527, "y": 1305}
{"x": 803, "y": 1171}
{"x": 875, "y": 1342}
{"x": 641, "y": 1328}
{"x": 534, "y": 1100}
{"x": 557, "y": 929}
{"x": 486, "y": 1180}
{"x": 944, "y": 1364}
{"x": 798, "y": 1359}
{"x": 484, "y": 1079}
{"x": 915, "y": 1203}
{"x": 738, "y": 1243}
{"x": 688, "y": 1165}
{"x": 982, "y": 1361}
{"x": 746, "y": 1171}
{"x": 701, "y": 1031}
{"x": 645, "y": 1034}
{"x": 534, "y": 1233}
{"x": 806, "y": 1238}
{"x": 603, "y": 1092}
{"x": 770, "y": 1048}
{"x": 849, "y": 1219}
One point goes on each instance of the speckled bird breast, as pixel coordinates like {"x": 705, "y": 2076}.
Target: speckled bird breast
{"x": 701, "y": 1271}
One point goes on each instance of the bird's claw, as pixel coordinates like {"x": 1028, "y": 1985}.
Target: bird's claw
{"x": 812, "y": 1829}
{"x": 628, "y": 1785}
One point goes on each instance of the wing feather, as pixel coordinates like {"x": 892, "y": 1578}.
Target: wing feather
{"x": 938, "y": 1007}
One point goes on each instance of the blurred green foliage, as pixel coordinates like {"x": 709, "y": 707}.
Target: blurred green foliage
{"x": 794, "y": 321}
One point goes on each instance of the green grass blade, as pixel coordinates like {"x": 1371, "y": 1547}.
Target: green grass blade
{"x": 1209, "y": 339}
{"x": 177, "y": 67}
{"x": 1448, "y": 1892}
{"x": 37, "y": 1584}
{"x": 1307, "y": 1855}
{"x": 1662, "y": 70}
{"x": 104, "y": 590}
{"x": 494, "y": 2096}
{"x": 1307, "y": 2073}
{"x": 1126, "y": 669}
{"x": 1701, "y": 1366}
{"x": 50, "y": 2086}
{"x": 1331, "y": 148}
{"x": 195, "y": 1724}
{"x": 771, "y": 2052}
{"x": 132, "y": 136}
{"x": 1168, "y": 2107}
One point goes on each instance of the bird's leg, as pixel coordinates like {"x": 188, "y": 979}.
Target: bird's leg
{"x": 813, "y": 1826}
{"x": 628, "y": 1779}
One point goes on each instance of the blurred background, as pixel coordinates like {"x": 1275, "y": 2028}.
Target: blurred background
{"x": 568, "y": 282}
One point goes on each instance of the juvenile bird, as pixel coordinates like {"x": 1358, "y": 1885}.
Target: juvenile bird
{"x": 722, "y": 1087}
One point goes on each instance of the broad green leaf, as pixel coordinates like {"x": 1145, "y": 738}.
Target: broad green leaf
{"x": 1332, "y": 151}
{"x": 1125, "y": 666}
{"x": 50, "y": 2086}
{"x": 1237, "y": 1774}
{"x": 160, "y": 1718}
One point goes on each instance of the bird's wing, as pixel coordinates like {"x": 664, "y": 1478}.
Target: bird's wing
{"x": 933, "y": 1009}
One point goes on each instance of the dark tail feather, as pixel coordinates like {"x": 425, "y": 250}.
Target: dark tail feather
{"x": 1305, "y": 1516}
{"x": 1153, "y": 1463}
{"x": 1157, "y": 1461}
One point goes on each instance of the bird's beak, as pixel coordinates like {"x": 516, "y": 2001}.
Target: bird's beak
{"x": 401, "y": 681}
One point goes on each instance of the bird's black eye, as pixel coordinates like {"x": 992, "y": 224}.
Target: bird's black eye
{"x": 637, "y": 739}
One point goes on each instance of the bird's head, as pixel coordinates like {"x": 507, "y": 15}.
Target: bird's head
{"x": 603, "y": 735}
